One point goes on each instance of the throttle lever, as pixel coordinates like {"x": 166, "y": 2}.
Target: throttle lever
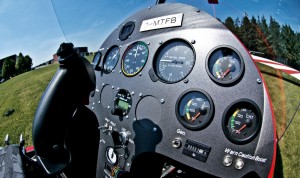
{"x": 68, "y": 89}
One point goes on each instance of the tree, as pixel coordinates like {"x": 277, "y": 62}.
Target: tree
{"x": 274, "y": 37}
{"x": 229, "y": 23}
{"x": 8, "y": 68}
{"x": 28, "y": 63}
{"x": 23, "y": 64}
{"x": 248, "y": 33}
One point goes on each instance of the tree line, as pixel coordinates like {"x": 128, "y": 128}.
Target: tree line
{"x": 272, "y": 40}
{"x": 13, "y": 67}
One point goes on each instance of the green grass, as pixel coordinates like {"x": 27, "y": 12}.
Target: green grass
{"x": 285, "y": 99}
{"x": 24, "y": 91}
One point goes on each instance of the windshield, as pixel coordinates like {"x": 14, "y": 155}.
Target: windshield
{"x": 33, "y": 31}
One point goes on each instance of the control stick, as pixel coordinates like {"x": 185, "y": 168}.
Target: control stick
{"x": 69, "y": 89}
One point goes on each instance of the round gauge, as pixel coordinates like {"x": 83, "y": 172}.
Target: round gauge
{"x": 225, "y": 65}
{"x": 174, "y": 61}
{"x": 96, "y": 60}
{"x": 111, "y": 59}
{"x": 194, "y": 109}
{"x": 241, "y": 122}
{"x": 134, "y": 58}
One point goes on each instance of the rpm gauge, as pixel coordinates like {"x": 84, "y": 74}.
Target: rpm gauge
{"x": 194, "y": 109}
{"x": 242, "y": 121}
{"x": 174, "y": 61}
{"x": 134, "y": 58}
{"x": 111, "y": 59}
{"x": 225, "y": 65}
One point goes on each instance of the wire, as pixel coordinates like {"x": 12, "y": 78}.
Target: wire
{"x": 290, "y": 122}
{"x": 59, "y": 21}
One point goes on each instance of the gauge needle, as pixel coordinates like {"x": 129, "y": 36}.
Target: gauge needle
{"x": 226, "y": 72}
{"x": 166, "y": 60}
{"x": 238, "y": 131}
{"x": 195, "y": 117}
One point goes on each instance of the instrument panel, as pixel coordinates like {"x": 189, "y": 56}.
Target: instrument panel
{"x": 190, "y": 93}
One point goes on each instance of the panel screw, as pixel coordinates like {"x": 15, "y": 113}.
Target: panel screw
{"x": 258, "y": 81}
{"x": 103, "y": 84}
{"x": 140, "y": 94}
{"x": 148, "y": 43}
{"x": 160, "y": 42}
{"x": 118, "y": 88}
{"x": 118, "y": 39}
{"x": 193, "y": 41}
{"x": 120, "y": 71}
{"x": 162, "y": 101}
{"x": 128, "y": 164}
{"x": 186, "y": 80}
{"x": 198, "y": 10}
{"x": 92, "y": 108}
{"x": 112, "y": 87}
{"x": 132, "y": 93}
{"x": 149, "y": 7}
{"x": 99, "y": 102}
{"x": 113, "y": 71}
{"x": 108, "y": 107}
{"x": 127, "y": 117}
{"x": 129, "y": 37}
{"x": 154, "y": 129}
{"x": 140, "y": 74}
{"x": 134, "y": 119}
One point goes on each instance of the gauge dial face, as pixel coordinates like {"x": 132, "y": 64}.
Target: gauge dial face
{"x": 195, "y": 109}
{"x": 111, "y": 59}
{"x": 174, "y": 61}
{"x": 225, "y": 65}
{"x": 134, "y": 58}
{"x": 96, "y": 60}
{"x": 242, "y": 122}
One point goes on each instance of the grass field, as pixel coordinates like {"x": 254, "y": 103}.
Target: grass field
{"x": 22, "y": 93}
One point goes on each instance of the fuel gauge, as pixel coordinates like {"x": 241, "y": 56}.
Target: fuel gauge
{"x": 194, "y": 109}
{"x": 225, "y": 65}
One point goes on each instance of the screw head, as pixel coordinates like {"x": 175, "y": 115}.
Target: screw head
{"x": 140, "y": 94}
{"x": 227, "y": 161}
{"x": 154, "y": 129}
{"x": 162, "y": 101}
{"x": 258, "y": 81}
{"x": 193, "y": 41}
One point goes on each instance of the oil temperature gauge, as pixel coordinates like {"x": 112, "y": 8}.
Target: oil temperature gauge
{"x": 242, "y": 121}
{"x": 194, "y": 109}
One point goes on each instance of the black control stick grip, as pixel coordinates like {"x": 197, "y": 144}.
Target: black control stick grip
{"x": 69, "y": 88}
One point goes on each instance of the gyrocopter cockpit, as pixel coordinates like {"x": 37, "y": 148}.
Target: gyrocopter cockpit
{"x": 172, "y": 92}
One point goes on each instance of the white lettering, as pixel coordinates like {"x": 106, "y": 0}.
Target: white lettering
{"x": 180, "y": 132}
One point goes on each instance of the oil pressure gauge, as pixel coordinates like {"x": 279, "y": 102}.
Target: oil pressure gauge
{"x": 225, "y": 65}
{"x": 242, "y": 121}
{"x": 194, "y": 109}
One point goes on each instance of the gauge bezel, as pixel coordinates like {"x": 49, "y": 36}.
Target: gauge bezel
{"x": 155, "y": 59}
{"x": 123, "y": 56}
{"x": 96, "y": 65}
{"x": 210, "y": 114}
{"x": 221, "y": 82}
{"x": 105, "y": 58}
{"x": 246, "y": 103}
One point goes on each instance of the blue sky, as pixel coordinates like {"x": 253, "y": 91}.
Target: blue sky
{"x": 31, "y": 27}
